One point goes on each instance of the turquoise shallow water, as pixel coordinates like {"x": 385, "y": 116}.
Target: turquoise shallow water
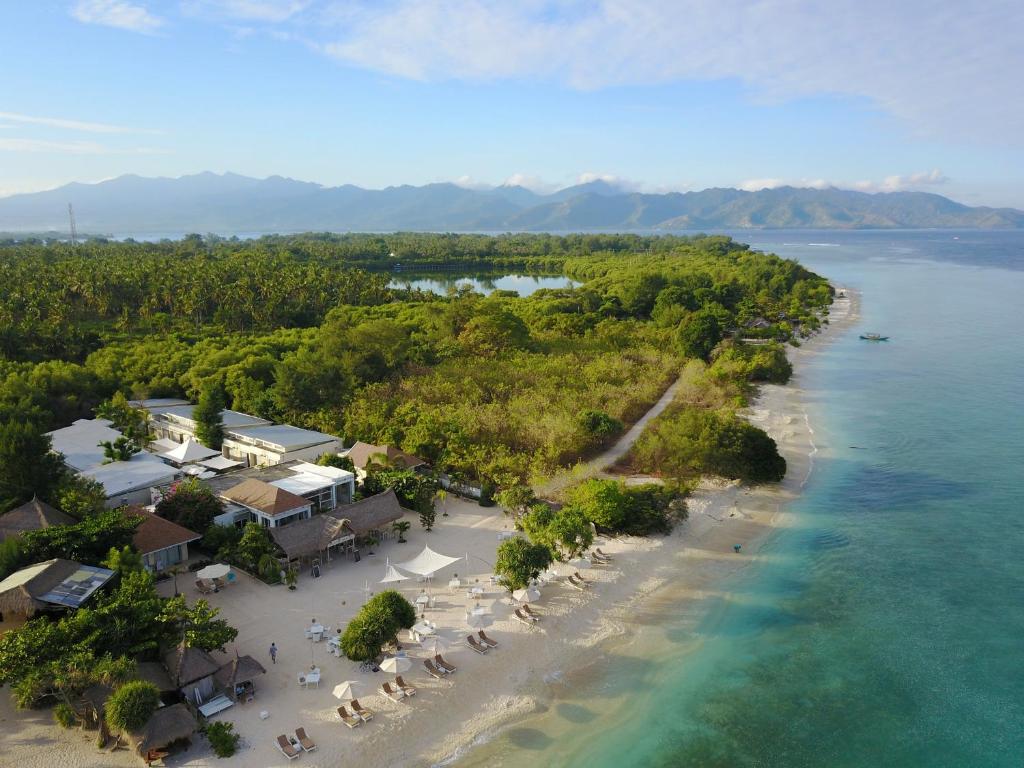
{"x": 886, "y": 626}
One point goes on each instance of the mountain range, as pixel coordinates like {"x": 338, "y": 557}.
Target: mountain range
{"x": 229, "y": 203}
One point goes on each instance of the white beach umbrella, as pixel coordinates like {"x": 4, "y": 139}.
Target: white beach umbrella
{"x": 550, "y": 575}
{"x": 434, "y": 644}
{"x": 580, "y": 562}
{"x": 350, "y": 689}
{"x": 215, "y": 571}
{"x": 530, "y": 595}
{"x": 396, "y": 665}
{"x": 478, "y": 620}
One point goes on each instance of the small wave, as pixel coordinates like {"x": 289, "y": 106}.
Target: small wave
{"x": 824, "y": 245}
{"x": 461, "y": 751}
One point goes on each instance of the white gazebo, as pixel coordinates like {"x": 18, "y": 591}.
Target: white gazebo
{"x": 189, "y": 451}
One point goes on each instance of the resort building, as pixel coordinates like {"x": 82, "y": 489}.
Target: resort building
{"x": 33, "y": 515}
{"x": 52, "y": 585}
{"x": 323, "y": 487}
{"x": 363, "y": 454}
{"x": 248, "y": 440}
{"x": 125, "y": 482}
{"x": 265, "y": 504}
{"x": 161, "y": 543}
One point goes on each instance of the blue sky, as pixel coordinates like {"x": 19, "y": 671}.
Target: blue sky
{"x": 658, "y": 95}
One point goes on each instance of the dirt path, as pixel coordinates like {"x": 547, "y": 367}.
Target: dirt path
{"x": 608, "y": 458}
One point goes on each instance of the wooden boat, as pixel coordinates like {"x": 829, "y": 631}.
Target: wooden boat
{"x": 874, "y": 337}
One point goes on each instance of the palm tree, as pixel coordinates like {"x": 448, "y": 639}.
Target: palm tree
{"x": 401, "y": 527}
{"x": 442, "y": 496}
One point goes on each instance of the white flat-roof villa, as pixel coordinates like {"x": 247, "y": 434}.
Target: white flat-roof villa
{"x": 247, "y": 439}
{"x": 125, "y": 482}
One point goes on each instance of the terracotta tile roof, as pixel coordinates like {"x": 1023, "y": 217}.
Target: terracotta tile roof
{"x": 155, "y": 533}
{"x": 361, "y": 452}
{"x": 265, "y": 497}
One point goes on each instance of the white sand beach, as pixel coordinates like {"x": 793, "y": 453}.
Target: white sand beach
{"x": 486, "y": 691}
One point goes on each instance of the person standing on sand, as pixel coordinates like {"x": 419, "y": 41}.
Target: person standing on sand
{"x": 273, "y": 653}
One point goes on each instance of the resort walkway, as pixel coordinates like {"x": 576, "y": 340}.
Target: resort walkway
{"x": 608, "y": 458}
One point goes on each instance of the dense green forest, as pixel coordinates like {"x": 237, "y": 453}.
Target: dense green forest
{"x": 305, "y": 329}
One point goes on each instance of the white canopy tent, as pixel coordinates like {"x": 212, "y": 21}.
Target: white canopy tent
{"x": 427, "y": 563}
{"x": 392, "y": 574}
{"x": 189, "y": 451}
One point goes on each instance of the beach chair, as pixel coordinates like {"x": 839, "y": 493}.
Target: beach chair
{"x": 442, "y": 664}
{"x": 204, "y": 587}
{"x": 575, "y": 584}
{"x": 602, "y": 554}
{"x": 407, "y": 689}
{"x": 472, "y": 642}
{"x": 219, "y": 583}
{"x": 348, "y": 719}
{"x": 433, "y": 671}
{"x": 285, "y": 747}
{"x": 364, "y": 713}
{"x": 518, "y": 616}
{"x": 307, "y": 744}
{"x": 581, "y": 580}
{"x": 530, "y": 612}
{"x": 395, "y": 694}
{"x": 485, "y": 639}
{"x": 527, "y": 616}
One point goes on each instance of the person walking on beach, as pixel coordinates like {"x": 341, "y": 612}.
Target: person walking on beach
{"x": 273, "y": 653}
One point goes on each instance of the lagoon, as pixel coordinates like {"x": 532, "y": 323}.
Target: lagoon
{"x": 441, "y": 283}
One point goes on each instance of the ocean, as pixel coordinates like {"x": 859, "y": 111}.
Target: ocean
{"x": 884, "y": 626}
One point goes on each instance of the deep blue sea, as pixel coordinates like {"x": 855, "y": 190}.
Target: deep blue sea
{"x": 885, "y": 627}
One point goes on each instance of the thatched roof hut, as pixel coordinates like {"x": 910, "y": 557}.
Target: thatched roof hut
{"x": 167, "y": 725}
{"x": 23, "y": 591}
{"x": 372, "y": 513}
{"x": 187, "y": 665}
{"x": 31, "y": 516}
{"x": 154, "y": 672}
{"x": 238, "y": 671}
{"x": 307, "y": 538}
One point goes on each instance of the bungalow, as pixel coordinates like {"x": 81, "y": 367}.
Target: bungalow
{"x": 33, "y": 515}
{"x": 267, "y": 504}
{"x": 363, "y": 454}
{"x": 52, "y": 585}
{"x": 161, "y": 543}
{"x": 191, "y": 671}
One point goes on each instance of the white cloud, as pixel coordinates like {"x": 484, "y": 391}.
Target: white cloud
{"x": 72, "y": 125}
{"x": 945, "y": 69}
{"x": 116, "y": 13}
{"x": 72, "y": 147}
{"x": 894, "y": 183}
{"x": 532, "y": 182}
{"x": 468, "y": 182}
{"x": 270, "y": 11}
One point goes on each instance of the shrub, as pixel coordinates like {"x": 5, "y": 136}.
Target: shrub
{"x": 377, "y": 623}
{"x": 190, "y": 503}
{"x": 64, "y": 715}
{"x": 130, "y": 706}
{"x": 222, "y": 737}
{"x": 520, "y": 561}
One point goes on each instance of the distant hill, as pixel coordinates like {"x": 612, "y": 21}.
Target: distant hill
{"x": 230, "y": 203}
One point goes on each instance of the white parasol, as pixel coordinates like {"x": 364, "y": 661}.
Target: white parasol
{"x": 580, "y": 562}
{"x": 396, "y": 665}
{"x": 215, "y": 571}
{"x": 478, "y": 620}
{"x": 350, "y": 689}
{"x": 530, "y": 595}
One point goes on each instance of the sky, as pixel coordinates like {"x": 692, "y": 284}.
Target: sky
{"x": 655, "y": 95}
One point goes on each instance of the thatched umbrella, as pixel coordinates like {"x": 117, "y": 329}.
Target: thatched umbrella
{"x": 167, "y": 725}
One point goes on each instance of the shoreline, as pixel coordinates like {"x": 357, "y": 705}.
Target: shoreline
{"x": 704, "y": 537}
{"x": 450, "y": 720}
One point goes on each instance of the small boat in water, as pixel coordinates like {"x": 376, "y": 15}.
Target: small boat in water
{"x": 874, "y": 337}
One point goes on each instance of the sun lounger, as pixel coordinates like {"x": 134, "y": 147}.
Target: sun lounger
{"x": 575, "y": 584}
{"x": 486, "y": 640}
{"x": 602, "y": 554}
{"x": 443, "y": 664}
{"x": 407, "y": 689}
{"x": 364, "y": 713}
{"x": 581, "y": 580}
{"x": 204, "y": 587}
{"x": 307, "y": 744}
{"x": 518, "y": 616}
{"x": 526, "y": 617}
{"x": 434, "y": 671}
{"x": 472, "y": 641}
{"x": 392, "y": 693}
{"x": 347, "y": 718}
{"x": 285, "y": 747}
{"x": 530, "y": 612}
